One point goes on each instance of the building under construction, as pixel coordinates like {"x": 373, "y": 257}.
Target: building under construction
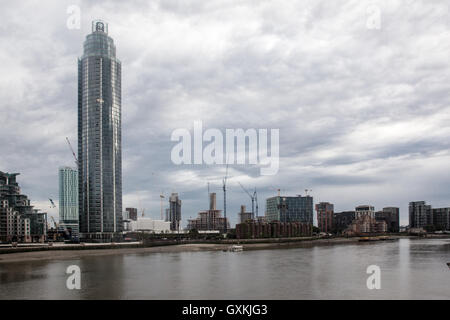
{"x": 245, "y": 216}
{"x": 209, "y": 220}
{"x": 276, "y": 229}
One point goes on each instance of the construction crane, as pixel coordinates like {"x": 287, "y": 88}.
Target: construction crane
{"x": 307, "y": 191}
{"x": 54, "y": 222}
{"x": 161, "y": 197}
{"x": 252, "y": 197}
{"x": 224, "y": 181}
{"x": 73, "y": 152}
{"x": 53, "y": 204}
{"x": 256, "y": 202}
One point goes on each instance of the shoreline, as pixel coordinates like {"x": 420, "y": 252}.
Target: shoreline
{"x": 46, "y": 254}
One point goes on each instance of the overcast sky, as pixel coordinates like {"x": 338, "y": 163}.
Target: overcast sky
{"x": 358, "y": 89}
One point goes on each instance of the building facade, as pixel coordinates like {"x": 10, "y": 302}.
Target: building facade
{"x": 245, "y": 216}
{"x": 131, "y": 213}
{"x": 365, "y": 221}
{"x": 174, "y": 212}
{"x": 441, "y": 218}
{"x": 289, "y": 209}
{"x": 19, "y": 221}
{"x": 325, "y": 212}
{"x": 99, "y": 134}
{"x": 391, "y": 215}
{"x": 342, "y": 220}
{"x": 209, "y": 220}
{"x": 68, "y": 200}
{"x": 258, "y": 230}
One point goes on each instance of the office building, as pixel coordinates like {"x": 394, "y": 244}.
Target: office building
{"x": 325, "y": 212}
{"x": 290, "y": 209}
{"x": 68, "y": 200}
{"x": 99, "y": 136}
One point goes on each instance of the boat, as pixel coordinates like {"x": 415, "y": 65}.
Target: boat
{"x": 236, "y": 248}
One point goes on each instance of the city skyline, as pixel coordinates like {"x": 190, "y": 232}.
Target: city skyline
{"x": 386, "y": 150}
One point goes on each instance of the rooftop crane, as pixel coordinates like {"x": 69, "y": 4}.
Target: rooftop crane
{"x": 253, "y": 197}
{"x": 73, "y": 152}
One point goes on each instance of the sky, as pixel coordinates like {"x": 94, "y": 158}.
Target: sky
{"x": 357, "y": 89}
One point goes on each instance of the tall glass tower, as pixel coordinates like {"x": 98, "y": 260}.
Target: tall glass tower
{"x": 99, "y": 134}
{"x": 68, "y": 200}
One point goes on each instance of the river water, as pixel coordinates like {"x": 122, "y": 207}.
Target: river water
{"x": 410, "y": 269}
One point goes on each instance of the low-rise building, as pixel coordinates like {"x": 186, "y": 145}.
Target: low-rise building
{"x": 342, "y": 220}
{"x": 258, "y": 230}
{"x": 149, "y": 225}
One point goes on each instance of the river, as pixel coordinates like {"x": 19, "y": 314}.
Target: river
{"x": 409, "y": 269}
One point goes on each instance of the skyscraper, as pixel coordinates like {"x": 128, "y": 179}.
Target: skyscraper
{"x": 68, "y": 200}
{"x": 99, "y": 135}
{"x": 174, "y": 212}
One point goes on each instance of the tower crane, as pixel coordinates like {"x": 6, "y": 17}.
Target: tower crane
{"x": 253, "y": 197}
{"x": 73, "y": 152}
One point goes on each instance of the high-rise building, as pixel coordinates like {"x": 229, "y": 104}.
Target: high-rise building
{"x": 290, "y": 209}
{"x": 325, "y": 211}
{"x": 68, "y": 200}
{"x": 99, "y": 135}
{"x": 420, "y": 214}
{"x": 392, "y": 217}
{"x": 174, "y": 212}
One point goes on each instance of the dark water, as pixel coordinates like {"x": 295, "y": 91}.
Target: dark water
{"x": 410, "y": 269}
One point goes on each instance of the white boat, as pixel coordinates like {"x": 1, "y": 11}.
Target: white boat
{"x": 236, "y": 248}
